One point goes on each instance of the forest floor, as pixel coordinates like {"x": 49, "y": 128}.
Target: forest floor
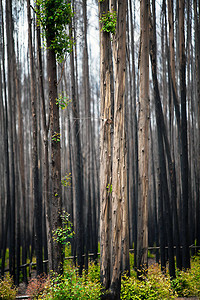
{"x": 22, "y": 287}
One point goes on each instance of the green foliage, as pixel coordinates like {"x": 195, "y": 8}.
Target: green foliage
{"x": 63, "y": 234}
{"x": 66, "y": 180}
{"x": 62, "y": 101}
{"x": 6, "y": 258}
{"x": 109, "y": 21}
{"x": 7, "y": 290}
{"x": 187, "y": 283}
{"x": 38, "y": 287}
{"x": 109, "y": 188}
{"x": 150, "y": 255}
{"x": 93, "y": 274}
{"x": 154, "y": 286}
{"x": 131, "y": 258}
{"x": 71, "y": 286}
{"x": 56, "y": 137}
{"x": 54, "y": 16}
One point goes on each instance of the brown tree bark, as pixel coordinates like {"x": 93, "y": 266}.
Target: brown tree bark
{"x": 56, "y": 261}
{"x": 120, "y": 233}
{"x": 143, "y": 140}
{"x": 105, "y": 150}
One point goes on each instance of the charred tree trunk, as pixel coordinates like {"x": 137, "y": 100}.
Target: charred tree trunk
{"x": 36, "y": 196}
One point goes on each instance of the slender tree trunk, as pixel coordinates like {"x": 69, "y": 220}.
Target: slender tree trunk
{"x": 143, "y": 132}
{"x": 6, "y": 145}
{"x": 78, "y": 189}
{"x": 45, "y": 123}
{"x": 197, "y": 63}
{"x": 105, "y": 151}
{"x": 37, "y": 200}
{"x": 10, "y": 48}
{"x": 184, "y": 158}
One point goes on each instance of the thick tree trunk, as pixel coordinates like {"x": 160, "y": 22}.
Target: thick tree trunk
{"x": 56, "y": 261}
{"x": 120, "y": 234}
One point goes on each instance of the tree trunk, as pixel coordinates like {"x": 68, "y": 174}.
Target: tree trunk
{"x": 120, "y": 234}
{"x": 184, "y": 157}
{"x": 143, "y": 133}
{"x": 37, "y": 200}
{"x": 78, "y": 189}
{"x": 105, "y": 151}
{"x": 56, "y": 264}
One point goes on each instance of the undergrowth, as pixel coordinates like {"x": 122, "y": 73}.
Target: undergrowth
{"x": 7, "y": 289}
{"x": 187, "y": 283}
{"x": 70, "y": 285}
{"x": 155, "y": 286}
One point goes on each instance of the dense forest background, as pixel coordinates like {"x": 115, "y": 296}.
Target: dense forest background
{"x": 34, "y": 133}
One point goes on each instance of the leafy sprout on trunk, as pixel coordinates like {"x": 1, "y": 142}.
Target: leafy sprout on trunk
{"x": 54, "y": 16}
{"x": 63, "y": 101}
{"x": 56, "y": 137}
{"x": 65, "y": 233}
{"x": 109, "y": 21}
{"x": 66, "y": 180}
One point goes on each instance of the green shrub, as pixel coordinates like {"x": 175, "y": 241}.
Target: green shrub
{"x": 7, "y": 289}
{"x": 154, "y": 286}
{"x": 71, "y": 286}
{"x": 187, "y": 283}
{"x": 93, "y": 272}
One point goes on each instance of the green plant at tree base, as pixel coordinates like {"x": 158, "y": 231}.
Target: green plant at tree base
{"x": 62, "y": 101}
{"x": 109, "y": 21}
{"x": 71, "y": 286}
{"x": 63, "y": 234}
{"x": 54, "y": 16}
